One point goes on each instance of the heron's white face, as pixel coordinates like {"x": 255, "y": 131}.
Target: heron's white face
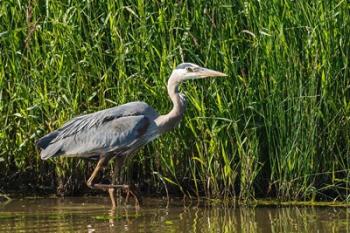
{"x": 186, "y": 71}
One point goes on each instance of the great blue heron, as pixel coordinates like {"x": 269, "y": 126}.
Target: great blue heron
{"x": 119, "y": 131}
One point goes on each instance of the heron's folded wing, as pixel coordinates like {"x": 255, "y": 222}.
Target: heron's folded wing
{"x": 96, "y": 119}
{"x": 83, "y": 139}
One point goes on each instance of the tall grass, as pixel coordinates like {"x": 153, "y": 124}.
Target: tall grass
{"x": 278, "y": 126}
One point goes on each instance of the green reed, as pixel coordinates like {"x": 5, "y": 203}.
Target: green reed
{"x": 278, "y": 126}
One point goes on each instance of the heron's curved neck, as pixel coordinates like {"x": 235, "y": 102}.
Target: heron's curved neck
{"x": 177, "y": 98}
{"x": 174, "y": 116}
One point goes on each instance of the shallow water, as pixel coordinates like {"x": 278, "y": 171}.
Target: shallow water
{"x": 93, "y": 214}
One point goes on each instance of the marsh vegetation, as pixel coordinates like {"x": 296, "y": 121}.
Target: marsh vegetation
{"x": 278, "y": 127}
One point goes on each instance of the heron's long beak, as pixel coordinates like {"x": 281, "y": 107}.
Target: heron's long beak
{"x": 204, "y": 72}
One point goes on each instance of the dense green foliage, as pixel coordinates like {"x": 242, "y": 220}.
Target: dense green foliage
{"x": 278, "y": 126}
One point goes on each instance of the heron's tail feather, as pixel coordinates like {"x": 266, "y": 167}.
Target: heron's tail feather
{"x": 45, "y": 141}
{"x": 48, "y": 149}
{"x": 51, "y": 151}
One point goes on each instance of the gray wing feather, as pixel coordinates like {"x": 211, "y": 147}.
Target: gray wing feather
{"x": 96, "y": 119}
{"x": 104, "y": 131}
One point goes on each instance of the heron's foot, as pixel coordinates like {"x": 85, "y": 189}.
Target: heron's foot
{"x": 131, "y": 190}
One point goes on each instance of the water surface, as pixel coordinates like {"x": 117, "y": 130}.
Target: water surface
{"x": 93, "y": 214}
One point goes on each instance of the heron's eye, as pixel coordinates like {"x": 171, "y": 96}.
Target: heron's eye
{"x": 189, "y": 69}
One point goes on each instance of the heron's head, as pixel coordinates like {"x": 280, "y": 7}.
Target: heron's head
{"x": 186, "y": 71}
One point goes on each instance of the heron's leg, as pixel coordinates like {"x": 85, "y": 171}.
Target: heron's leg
{"x": 116, "y": 178}
{"x": 107, "y": 187}
{"x": 111, "y": 191}
{"x": 129, "y": 189}
{"x": 91, "y": 184}
{"x": 100, "y": 164}
{"x": 111, "y": 196}
{"x": 118, "y": 168}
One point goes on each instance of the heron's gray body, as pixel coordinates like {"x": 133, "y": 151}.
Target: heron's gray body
{"x": 119, "y": 130}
